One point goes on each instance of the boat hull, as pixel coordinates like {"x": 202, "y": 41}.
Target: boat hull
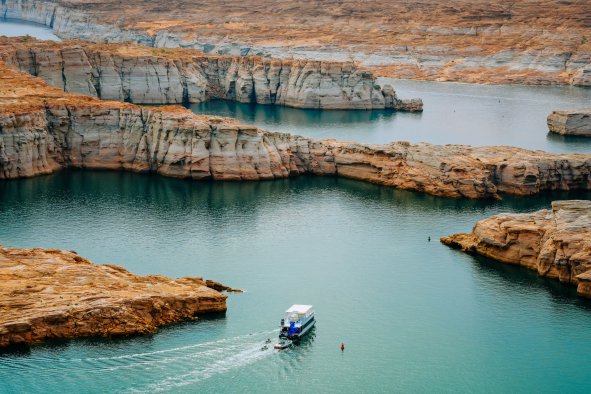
{"x": 296, "y": 336}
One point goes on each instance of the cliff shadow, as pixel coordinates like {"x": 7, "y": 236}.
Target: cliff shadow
{"x": 205, "y": 323}
{"x": 523, "y": 278}
{"x": 577, "y": 143}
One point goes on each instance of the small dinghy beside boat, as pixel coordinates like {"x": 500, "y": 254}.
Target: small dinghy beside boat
{"x": 283, "y": 344}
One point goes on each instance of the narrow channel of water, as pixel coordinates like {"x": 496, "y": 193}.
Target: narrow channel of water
{"x": 454, "y": 113}
{"x": 15, "y": 27}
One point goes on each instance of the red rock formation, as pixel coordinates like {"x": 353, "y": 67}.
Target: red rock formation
{"x": 48, "y": 294}
{"x": 556, "y": 243}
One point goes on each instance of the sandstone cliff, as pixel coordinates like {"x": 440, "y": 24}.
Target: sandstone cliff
{"x": 491, "y": 41}
{"x": 142, "y": 75}
{"x": 44, "y": 129}
{"x": 48, "y": 294}
{"x": 575, "y": 122}
{"x": 556, "y": 242}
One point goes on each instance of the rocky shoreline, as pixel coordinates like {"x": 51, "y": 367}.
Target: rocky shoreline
{"x": 142, "y": 75}
{"x": 502, "y": 42}
{"x": 44, "y": 129}
{"x": 573, "y": 122}
{"x": 51, "y": 294}
{"x": 556, "y": 243}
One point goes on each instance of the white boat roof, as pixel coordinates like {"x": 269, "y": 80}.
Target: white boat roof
{"x": 299, "y": 309}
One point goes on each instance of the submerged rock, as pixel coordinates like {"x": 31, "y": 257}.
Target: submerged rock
{"x": 574, "y": 122}
{"x": 556, "y": 242}
{"x": 49, "y": 294}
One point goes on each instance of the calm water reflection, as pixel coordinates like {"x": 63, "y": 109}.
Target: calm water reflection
{"x": 14, "y": 27}
{"x": 454, "y": 114}
{"x": 414, "y": 315}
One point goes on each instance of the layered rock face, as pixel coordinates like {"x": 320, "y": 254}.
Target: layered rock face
{"x": 156, "y": 76}
{"x": 48, "y": 294}
{"x": 575, "y": 122}
{"x": 555, "y": 242}
{"x": 43, "y": 129}
{"x": 500, "y": 41}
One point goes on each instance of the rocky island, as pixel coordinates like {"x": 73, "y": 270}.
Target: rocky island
{"x": 44, "y": 129}
{"x": 500, "y": 41}
{"x": 573, "y": 122}
{"x": 554, "y": 242}
{"x": 54, "y": 294}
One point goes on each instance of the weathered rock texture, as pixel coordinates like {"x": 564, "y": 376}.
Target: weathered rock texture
{"x": 145, "y": 75}
{"x": 49, "y": 294}
{"x": 44, "y": 129}
{"x": 556, "y": 242}
{"x": 575, "y": 122}
{"x": 495, "y": 41}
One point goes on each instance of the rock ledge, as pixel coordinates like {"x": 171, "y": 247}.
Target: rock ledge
{"x": 556, "y": 242}
{"x": 573, "y": 122}
{"x": 49, "y": 294}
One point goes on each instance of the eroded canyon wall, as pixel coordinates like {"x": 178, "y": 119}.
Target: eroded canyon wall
{"x": 43, "y": 129}
{"x": 144, "y": 75}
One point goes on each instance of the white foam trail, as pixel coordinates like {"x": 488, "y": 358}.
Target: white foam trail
{"x": 198, "y": 345}
{"x": 247, "y": 356}
{"x": 52, "y": 361}
{"x": 208, "y": 357}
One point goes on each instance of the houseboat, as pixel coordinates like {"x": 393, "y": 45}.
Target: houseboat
{"x": 298, "y": 321}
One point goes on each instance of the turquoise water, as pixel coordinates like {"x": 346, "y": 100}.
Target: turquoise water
{"x": 454, "y": 113}
{"x": 14, "y": 28}
{"x": 414, "y": 315}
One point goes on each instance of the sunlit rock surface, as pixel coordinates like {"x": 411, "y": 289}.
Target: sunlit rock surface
{"x": 555, "y": 242}
{"x": 49, "y": 294}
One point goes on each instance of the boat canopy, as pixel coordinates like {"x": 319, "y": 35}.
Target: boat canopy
{"x": 299, "y": 309}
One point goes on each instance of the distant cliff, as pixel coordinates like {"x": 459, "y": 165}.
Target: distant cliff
{"x": 44, "y": 129}
{"x": 556, "y": 243}
{"x": 485, "y": 41}
{"x": 142, "y": 75}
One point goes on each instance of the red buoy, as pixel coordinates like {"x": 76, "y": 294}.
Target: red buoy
{"x": 342, "y": 346}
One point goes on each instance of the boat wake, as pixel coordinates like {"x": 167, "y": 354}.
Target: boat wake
{"x": 163, "y": 370}
{"x": 212, "y": 358}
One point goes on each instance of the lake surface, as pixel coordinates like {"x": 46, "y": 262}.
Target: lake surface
{"x": 454, "y": 113}
{"x": 14, "y": 28}
{"x": 415, "y": 316}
